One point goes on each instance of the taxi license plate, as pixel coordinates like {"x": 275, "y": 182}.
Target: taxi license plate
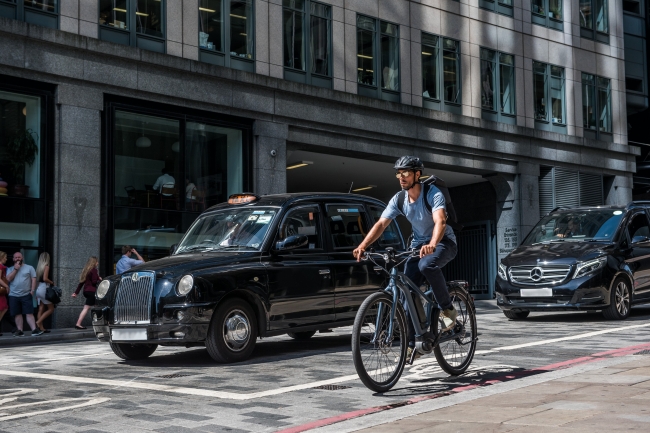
{"x": 536, "y": 292}
{"x": 137, "y": 334}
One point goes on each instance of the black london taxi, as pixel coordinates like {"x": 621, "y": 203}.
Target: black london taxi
{"x": 583, "y": 258}
{"x": 252, "y": 267}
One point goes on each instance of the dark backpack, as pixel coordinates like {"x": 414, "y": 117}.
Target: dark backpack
{"x": 452, "y": 219}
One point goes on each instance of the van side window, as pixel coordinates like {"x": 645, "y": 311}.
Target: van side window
{"x": 302, "y": 221}
{"x": 347, "y": 224}
{"x": 638, "y": 227}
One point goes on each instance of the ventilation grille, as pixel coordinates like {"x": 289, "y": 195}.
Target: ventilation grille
{"x": 332, "y": 387}
{"x": 559, "y": 187}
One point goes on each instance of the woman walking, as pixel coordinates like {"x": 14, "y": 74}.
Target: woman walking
{"x": 45, "y": 307}
{"x": 4, "y": 287}
{"x": 88, "y": 281}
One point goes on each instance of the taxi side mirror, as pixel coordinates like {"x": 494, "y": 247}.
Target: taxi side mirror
{"x": 172, "y": 249}
{"x": 292, "y": 242}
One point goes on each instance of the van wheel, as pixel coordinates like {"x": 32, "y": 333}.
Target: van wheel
{"x": 301, "y": 335}
{"x": 133, "y": 351}
{"x": 619, "y": 301}
{"x": 516, "y": 315}
{"x": 233, "y": 332}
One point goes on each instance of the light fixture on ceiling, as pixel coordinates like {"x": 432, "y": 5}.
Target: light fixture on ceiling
{"x": 25, "y": 110}
{"x": 176, "y": 147}
{"x": 143, "y": 141}
{"x": 207, "y": 10}
{"x": 364, "y": 188}
{"x": 299, "y": 164}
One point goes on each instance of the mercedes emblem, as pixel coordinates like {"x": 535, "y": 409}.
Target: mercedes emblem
{"x": 536, "y": 273}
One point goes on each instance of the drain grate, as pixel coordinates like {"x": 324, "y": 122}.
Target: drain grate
{"x": 643, "y": 352}
{"x": 332, "y": 387}
{"x": 175, "y": 375}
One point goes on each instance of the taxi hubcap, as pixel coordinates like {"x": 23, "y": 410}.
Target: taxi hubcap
{"x": 236, "y": 330}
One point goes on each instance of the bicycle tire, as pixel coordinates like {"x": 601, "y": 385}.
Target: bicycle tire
{"x": 364, "y": 325}
{"x": 447, "y": 352}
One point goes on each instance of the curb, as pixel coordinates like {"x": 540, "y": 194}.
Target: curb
{"x": 8, "y": 340}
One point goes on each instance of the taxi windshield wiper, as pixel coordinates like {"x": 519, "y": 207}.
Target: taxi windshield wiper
{"x": 197, "y": 247}
{"x": 230, "y": 247}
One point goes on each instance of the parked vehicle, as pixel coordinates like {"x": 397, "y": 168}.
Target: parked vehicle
{"x": 252, "y": 267}
{"x": 584, "y": 258}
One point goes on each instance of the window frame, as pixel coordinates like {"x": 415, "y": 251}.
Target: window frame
{"x": 497, "y": 6}
{"x": 544, "y": 19}
{"x": 440, "y": 103}
{"x": 377, "y": 91}
{"x": 497, "y": 115}
{"x": 593, "y": 33}
{"x": 131, "y": 37}
{"x": 17, "y": 10}
{"x": 306, "y": 76}
{"x": 548, "y": 124}
{"x": 597, "y": 134}
{"x": 224, "y": 58}
{"x": 320, "y": 234}
{"x": 365, "y": 217}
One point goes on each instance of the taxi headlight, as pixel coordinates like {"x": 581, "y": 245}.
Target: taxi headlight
{"x": 185, "y": 285}
{"x": 586, "y": 268}
{"x": 102, "y": 289}
{"x": 502, "y": 272}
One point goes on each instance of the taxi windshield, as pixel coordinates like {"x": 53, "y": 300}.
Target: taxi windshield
{"x": 239, "y": 229}
{"x": 591, "y": 225}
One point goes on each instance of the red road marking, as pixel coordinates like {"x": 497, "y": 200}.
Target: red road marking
{"x": 505, "y": 378}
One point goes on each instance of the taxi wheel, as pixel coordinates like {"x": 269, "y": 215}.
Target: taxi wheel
{"x": 233, "y": 332}
{"x": 516, "y": 315}
{"x": 133, "y": 351}
{"x": 301, "y": 335}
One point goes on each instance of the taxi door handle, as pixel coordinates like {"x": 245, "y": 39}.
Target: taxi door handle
{"x": 377, "y": 268}
{"x": 324, "y": 271}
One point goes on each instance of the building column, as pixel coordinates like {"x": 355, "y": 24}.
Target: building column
{"x": 77, "y": 194}
{"x": 270, "y": 157}
{"x": 617, "y": 190}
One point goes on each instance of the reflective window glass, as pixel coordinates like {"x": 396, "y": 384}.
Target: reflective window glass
{"x": 451, "y": 71}
{"x": 365, "y": 56}
{"x": 319, "y": 39}
{"x": 149, "y": 18}
{"x": 114, "y": 13}
{"x": 585, "y": 8}
{"x": 507, "y": 83}
{"x": 602, "y": 21}
{"x": 211, "y": 25}
{"x": 44, "y": 5}
{"x": 430, "y": 66}
{"x": 293, "y": 35}
{"x": 242, "y": 24}
{"x": 303, "y": 221}
{"x": 539, "y": 90}
{"x": 588, "y": 102}
{"x": 557, "y": 94}
{"x": 389, "y": 57}
{"x": 488, "y": 78}
{"x": 347, "y": 225}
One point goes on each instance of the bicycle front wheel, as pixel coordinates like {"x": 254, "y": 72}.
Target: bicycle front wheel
{"x": 456, "y": 348}
{"x": 379, "y": 355}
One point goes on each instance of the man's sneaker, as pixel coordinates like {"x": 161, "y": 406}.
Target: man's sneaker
{"x": 449, "y": 317}
{"x": 19, "y": 333}
{"x": 37, "y": 332}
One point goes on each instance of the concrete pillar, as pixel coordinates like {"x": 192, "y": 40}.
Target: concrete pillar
{"x": 77, "y": 194}
{"x": 617, "y": 190}
{"x": 270, "y": 157}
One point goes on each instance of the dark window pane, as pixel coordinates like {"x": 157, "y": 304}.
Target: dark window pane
{"x": 321, "y": 10}
{"x": 365, "y": 23}
{"x": 365, "y": 57}
{"x": 451, "y": 71}
{"x": 488, "y": 66}
{"x": 146, "y": 161}
{"x": 241, "y": 28}
{"x": 539, "y": 7}
{"x": 347, "y": 225}
{"x": 586, "y": 20}
{"x": 389, "y": 29}
{"x": 302, "y": 221}
{"x": 430, "y": 69}
{"x": 44, "y": 5}
{"x": 210, "y": 25}
{"x": 429, "y": 40}
{"x": 588, "y": 102}
{"x": 319, "y": 45}
{"x": 114, "y": 13}
{"x": 555, "y": 9}
{"x": 506, "y": 2}
{"x": 507, "y": 90}
{"x": 604, "y": 106}
{"x": 389, "y": 62}
{"x": 539, "y": 90}
{"x": 602, "y": 21}
{"x": 294, "y": 4}
{"x": 557, "y": 95}
{"x": 294, "y": 50}
{"x": 148, "y": 17}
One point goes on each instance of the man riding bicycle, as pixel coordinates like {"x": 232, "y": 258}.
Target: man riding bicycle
{"x": 431, "y": 234}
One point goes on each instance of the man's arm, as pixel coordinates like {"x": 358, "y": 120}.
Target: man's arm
{"x": 156, "y": 186}
{"x": 12, "y": 275}
{"x": 440, "y": 224}
{"x": 33, "y": 285}
{"x": 374, "y": 234}
{"x": 137, "y": 255}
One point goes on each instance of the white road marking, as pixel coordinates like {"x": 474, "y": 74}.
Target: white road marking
{"x": 87, "y": 402}
{"x": 283, "y": 390}
{"x": 59, "y": 359}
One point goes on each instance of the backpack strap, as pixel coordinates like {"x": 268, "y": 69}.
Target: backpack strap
{"x": 400, "y": 201}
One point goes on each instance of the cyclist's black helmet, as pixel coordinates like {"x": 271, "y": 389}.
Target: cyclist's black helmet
{"x": 409, "y": 163}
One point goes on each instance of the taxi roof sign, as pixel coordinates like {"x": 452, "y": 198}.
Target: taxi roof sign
{"x": 242, "y": 198}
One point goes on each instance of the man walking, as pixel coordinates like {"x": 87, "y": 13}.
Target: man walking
{"x": 126, "y": 262}
{"x": 22, "y": 284}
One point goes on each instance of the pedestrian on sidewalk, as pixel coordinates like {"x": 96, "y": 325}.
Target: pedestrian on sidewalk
{"x": 45, "y": 307}
{"x": 88, "y": 281}
{"x": 4, "y": 288}
{"x": 126, "y": 262}
{"x": 22, "y": 284}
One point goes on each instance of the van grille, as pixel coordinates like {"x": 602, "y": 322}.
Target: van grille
{"x": 539, "y": 275}
{"x": 133, "y": 301}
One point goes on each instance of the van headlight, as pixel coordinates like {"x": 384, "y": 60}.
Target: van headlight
{"x": 185, "y": 285}
{"x": 503, "y": 274}
{"x": 587, "y": 268}
{"x": 102, "y": 289}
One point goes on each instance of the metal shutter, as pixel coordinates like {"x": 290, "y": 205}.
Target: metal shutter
{"x": 591, "y": 189}
{"x": 546, "y": 202}
{"x": 560, "y": 187}
{"x": 567, "y": 191}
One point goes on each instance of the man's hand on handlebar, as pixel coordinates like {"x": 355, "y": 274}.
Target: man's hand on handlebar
{"x": 427, "y": 249}
{"x": 358, "y": 253}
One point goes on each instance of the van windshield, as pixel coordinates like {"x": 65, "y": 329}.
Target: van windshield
{"x": 584, "y": 225}
{"x": 239, "y": 229}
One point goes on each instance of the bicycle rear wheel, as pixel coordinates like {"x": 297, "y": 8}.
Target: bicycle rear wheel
{"x": 454, "y": 355}
{"x": 379, "y": 358}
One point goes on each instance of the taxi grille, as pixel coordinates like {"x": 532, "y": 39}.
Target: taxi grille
{"x": 133, "y": 301}
{"x": 538, "y": 275}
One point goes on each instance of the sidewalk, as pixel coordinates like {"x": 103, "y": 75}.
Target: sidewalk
{"x": 55, "y": 335}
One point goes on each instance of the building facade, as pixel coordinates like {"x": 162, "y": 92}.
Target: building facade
{"x": 521, "y": 104}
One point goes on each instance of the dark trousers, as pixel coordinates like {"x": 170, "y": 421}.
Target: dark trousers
{"x": 429, "y": 268}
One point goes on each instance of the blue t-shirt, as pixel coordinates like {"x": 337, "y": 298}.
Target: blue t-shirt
{"x": 21, "y": 285}
{"x": 126, "y": 263}
{"x": 418, "y": 215}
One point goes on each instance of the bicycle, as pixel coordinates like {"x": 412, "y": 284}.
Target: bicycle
{"x": 379, "y": 335}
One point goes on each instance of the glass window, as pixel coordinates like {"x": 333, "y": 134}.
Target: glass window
{"x": 488, "y": 79}
{"x": 451, "y": 70}
{"x": 430, "y": 66}
{"x": 378, "y": 50}
{"x": 594, "y": 16}
{"x": 365, "y": 50}
{"x": 507, "y": 83}
{"x": 391, "y": 236}
{"x": 588, "y": 101}
{"x": 211, "y": 25}
{"x": 557, "y": 94}
{"x": 389, "y": 56}
{"x": 148, "y": 17}
{"x": 242, "y": 36}
{"x": 604, "y": 105}
{"x": 43, "y": 13}
{"x": 213, "y": 165}
{"x": 319, "y": 38}
{"x": 548, "y": 85}
{"x": 305, "y": 221}
{"x": 44, "y": 5}
{"x": 294, "y": 43}
{"x": 347, "y": 225}
{"x": 548, "y": 13}
{"x": 497, "y": 85}
{"x": 441, "y": 91}
{"x": 139, "y": 23}
{"x": 596, "y": 105}
{"x": 114, "y": 13}
{"x": 500, "y": 6}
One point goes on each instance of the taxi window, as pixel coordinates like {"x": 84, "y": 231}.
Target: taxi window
{"x": 347, "y": 225}
{"x": 302, "y": 221}
{"x": 391, "y": 236}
